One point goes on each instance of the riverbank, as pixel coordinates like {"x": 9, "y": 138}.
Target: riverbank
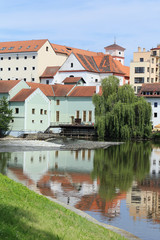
{"x": 32, "y": 216}
{"x": 21, "y": 144}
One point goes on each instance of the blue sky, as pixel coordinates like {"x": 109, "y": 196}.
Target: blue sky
{"x": 86, "y": 24}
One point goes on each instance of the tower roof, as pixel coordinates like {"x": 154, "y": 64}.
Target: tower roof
{"x": 114, "y": 46}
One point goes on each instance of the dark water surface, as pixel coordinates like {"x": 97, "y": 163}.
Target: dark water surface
{"x": 118, "y": 186}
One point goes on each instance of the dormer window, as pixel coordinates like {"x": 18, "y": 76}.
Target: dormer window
{"x": 10, "y": 48}
{"x": 46, "y": 49}
{"x": 20, "y": 47}
{"x": 35, "y": 46}
{"x": 71, "y": 65}
{"x": 3, "y": 48}
{"x": 119, "y": 53}
{"x": 28, "y": 47}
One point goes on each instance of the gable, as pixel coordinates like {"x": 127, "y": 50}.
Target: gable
{"x": 72, "y": 60}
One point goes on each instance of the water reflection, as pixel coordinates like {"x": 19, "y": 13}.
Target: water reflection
{"x": 117, "y": 167}
{"x": 97, "y": 181}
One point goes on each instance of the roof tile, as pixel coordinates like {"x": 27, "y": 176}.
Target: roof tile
{"x": 6, "y": 86}
{"x": 22, "y": 95}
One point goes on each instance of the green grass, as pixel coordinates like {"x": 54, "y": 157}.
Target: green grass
{"x": 25, "y": 215}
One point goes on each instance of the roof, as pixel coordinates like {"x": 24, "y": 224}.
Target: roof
{"x": 22, "y": 95}
{"x": 50, "y": 72}
{"x": 114, "y": 46}
{"x": 83, "y": 91}
{"x": 72, "y": 79}
{"x": 68, "y": 50}
{"x": 125, "y": 69}
{"x": 101, "y": 64}
{"x": 45, "y": 88}
{"x": 21, "y": 46}
{"x": 6, "y": 86}
{"x": 61, "y": 90}
{"x": 152, "y": 88}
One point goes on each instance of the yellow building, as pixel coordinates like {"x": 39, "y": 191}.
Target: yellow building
{"x": 145, "y": 67}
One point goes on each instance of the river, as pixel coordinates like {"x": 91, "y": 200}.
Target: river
{"x": 119, "y": 185}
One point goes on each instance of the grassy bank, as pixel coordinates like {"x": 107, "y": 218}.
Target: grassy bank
{"x": 27, "y": 215}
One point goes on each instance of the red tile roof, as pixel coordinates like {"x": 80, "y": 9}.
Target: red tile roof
{"x": 114, "y": 46}
{"x": 152, "y": 88}
{"x": 50, "y": 72}
{"x": 61, "y": 90}
{"x": 82, "y": 91}
{"x": 124, "y": 69}
{"x": 45, "y": 88}
{"x": 68, "y": 50}
{"x": 72, "y": 79}
{"x": 22, "y": 95}
{"x": 100, "y": 64}
{"x": 6, "y": 86}
{"x": 21, "y": 46}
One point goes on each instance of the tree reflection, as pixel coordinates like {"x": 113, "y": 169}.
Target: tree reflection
{"x": 117, "y": 167}
{"x": 3, "y": 162}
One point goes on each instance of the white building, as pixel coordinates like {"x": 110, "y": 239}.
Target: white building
{"x": 116, "y": 51}
{"x": 151, "y": 91}
{"x": 27, "y": 60}
{"x": 92, "y": 68}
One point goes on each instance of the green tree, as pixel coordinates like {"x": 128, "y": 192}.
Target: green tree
{"x": 119, "y": 113}
{"x": 5, "y": 116}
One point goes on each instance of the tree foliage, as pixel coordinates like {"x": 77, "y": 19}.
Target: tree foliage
{"x": 119, "y": 113}
{"x": 5, "y": 116}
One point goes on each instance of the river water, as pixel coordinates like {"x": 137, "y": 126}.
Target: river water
{"x": 118, "y": 186}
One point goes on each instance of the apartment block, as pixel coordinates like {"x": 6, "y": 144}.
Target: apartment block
{"x": 145, "y": 67}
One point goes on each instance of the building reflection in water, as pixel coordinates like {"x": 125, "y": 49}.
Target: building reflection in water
{"x": 94, "y": 181}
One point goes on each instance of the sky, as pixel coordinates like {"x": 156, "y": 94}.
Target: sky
{"x": 85, "y": 24}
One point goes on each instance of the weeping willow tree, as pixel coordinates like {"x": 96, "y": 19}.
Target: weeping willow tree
{"x": 119, "y": 113}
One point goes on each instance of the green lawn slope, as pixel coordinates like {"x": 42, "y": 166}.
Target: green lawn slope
{"x": 25, "y": 215}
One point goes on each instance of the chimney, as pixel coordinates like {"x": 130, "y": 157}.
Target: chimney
{"x": 97, "y": 88}
{"x": 139, "y": 49}
{"x": 144, "y": 49}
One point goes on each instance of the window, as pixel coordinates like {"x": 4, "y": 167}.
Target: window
{"x": 10, "y": 48}
{"x": 1, "y": 58}
{"x": 41, "y": 121}
{"x": 71, "y": 76}
{"x": 1, "y": 69}
{"x": 155, "y": 104}
{"x": 138, "y": 89}
{"x": 154, "y": 53}
{"x": 76, "y": 155}
{"x": 20, "y": 47}
{"x": 33, "y": 79}
{"x": 9, "y": 58}
{"x": 152, "y": 79}
{"x": 9, "y": 79}
{"x": 57, "y": 116}
{"x": 33, "y": 68}
{"x": 155, "y": 114}
{"x": 96, "y": 80}
{"x": 45, "y": 112}
{"x": 41, "y": 111}
{"x": 32, "y": 121}
{"x": 9, "y": 69}
{"x": 139, "y": 69}
{"x": 28, "y": 47}
{"x": 25, "y": 57}
{"x": 46, "y": 49}
{"x": 89, "y": 154}
{"x": 71, "y": 65}
{"x": 77, "y": 114}
{"x": 152, "y": 70}
{"x": 139, "y": 80}
{"x": 147, "y": 69}
{"x": 152, "y": 60}
{"x": 90, "y": 116}
{"x": 17, "y": 57}
{"x": 12, "y": 120}
{"x": 25, "y": 68}
{"x": 16, "y": 78}
{"x": 56, "y": 154}
{"x": 33, "y": 110}
{"x": 16, "y": 110}
{"x": 33, "y": 57}
{"x": 154, "y": 162}
{"x": 84, "y": 116}
{"x": 16, "y": 68}
{"x": 147, "y": 79}
{"x": 135, "y": 89}
{"x": 24, "y": 79}
{"x": 141, "y": 59}
{"x": 83, "y": 154}
{"x": 119, "y": 53}
{"x": 57, "y": 102}
{"x": 3, "y": 48}
{"x": 47, "y": 81}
